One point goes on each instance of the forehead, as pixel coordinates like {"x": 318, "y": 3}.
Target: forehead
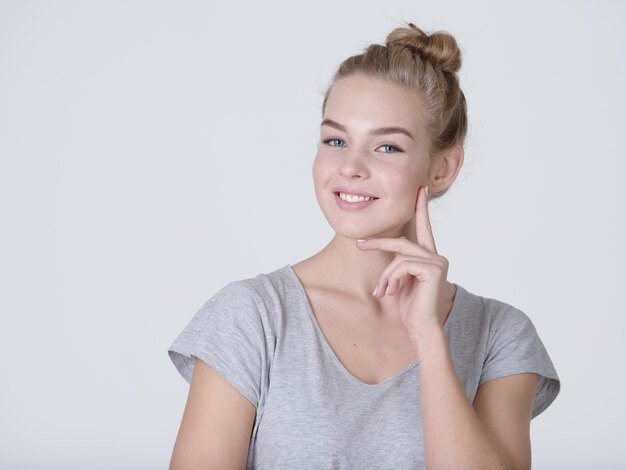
{"x": 363, "y": 100}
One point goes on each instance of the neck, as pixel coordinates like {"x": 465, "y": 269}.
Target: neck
{"x": 352, "y": 270}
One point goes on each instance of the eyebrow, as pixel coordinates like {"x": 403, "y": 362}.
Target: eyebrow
{"x": 378, "y": 131}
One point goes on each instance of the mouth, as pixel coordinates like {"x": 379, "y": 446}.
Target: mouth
{"x": 353, "y": 197}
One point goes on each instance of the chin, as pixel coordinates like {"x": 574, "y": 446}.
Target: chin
{"x": 361, "y": 232}
{"x": 356, "y": 228}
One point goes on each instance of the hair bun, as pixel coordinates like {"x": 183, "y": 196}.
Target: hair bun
{"x": 439, "y": 48}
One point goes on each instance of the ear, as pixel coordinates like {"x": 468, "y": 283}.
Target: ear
{"x": 444, "y": 168}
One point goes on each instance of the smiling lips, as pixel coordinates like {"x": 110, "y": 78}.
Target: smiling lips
{"x": 350, "y": 201}
{"x": 353, "y": 197}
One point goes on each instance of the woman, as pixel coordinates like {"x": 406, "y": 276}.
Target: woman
{"x": 364, "y": 355}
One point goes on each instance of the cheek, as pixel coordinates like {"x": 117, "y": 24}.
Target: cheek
{"x": 405, "y": 183}
{"x": 319, "y": 170}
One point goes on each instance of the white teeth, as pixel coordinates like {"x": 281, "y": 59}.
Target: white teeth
{"x": 354, "y": 198}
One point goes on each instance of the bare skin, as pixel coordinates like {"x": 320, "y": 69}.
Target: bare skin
{"x": 216, "y": 425}
{"x": 365, "y": 333}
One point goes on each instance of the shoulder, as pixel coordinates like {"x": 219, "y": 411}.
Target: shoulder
{"x": 262, "y": 300}
{"x": 255, "y": 290}
{"x": 234, "y": 332}
{"x": 509, "y": 342}
{"x": 489, "y": 313}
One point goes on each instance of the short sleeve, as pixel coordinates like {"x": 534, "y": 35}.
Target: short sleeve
{"x": 227, "y": 333}
{"x": 514, "y": 347}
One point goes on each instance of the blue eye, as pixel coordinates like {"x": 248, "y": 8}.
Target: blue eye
{"x": 334, "y": 142}
{"x": 390, "y": 148}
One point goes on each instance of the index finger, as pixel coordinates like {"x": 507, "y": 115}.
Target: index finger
{"x": 400, "y": 246}
{"x": 423, "y": 229}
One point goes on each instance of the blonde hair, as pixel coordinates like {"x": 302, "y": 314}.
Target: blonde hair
{"x": 425, "y": 63}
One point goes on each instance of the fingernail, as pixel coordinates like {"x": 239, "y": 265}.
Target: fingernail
{"x": 426, "y": 188}
{"x": 387, "y": 291}
{"x": 375, "y": 289}
{"x": 360, "y": 240}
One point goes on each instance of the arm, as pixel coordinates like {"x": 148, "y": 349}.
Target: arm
{"x": 494, "y": 434}
{"x": 216, "y": 426}
{"x": 504, "y": 406}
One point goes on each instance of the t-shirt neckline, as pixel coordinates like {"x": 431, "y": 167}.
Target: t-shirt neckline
{"x": 329, "y": 349}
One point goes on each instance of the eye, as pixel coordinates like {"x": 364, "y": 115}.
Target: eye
{"x": 334, "y": 142}
{"x": 387, "y": 148}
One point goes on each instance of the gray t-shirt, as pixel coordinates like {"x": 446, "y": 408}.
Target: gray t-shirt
{"x": 261, "y": 335}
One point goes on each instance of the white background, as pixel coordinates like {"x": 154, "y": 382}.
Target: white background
{"x": 151, "y": 152}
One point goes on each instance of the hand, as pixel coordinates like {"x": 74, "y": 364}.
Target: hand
{"x": 416, "y": 276}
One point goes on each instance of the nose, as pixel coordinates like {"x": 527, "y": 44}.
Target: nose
{"x": 354, "y": 164}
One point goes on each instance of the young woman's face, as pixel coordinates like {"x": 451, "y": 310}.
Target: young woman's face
{"x": 372, "y": 158}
